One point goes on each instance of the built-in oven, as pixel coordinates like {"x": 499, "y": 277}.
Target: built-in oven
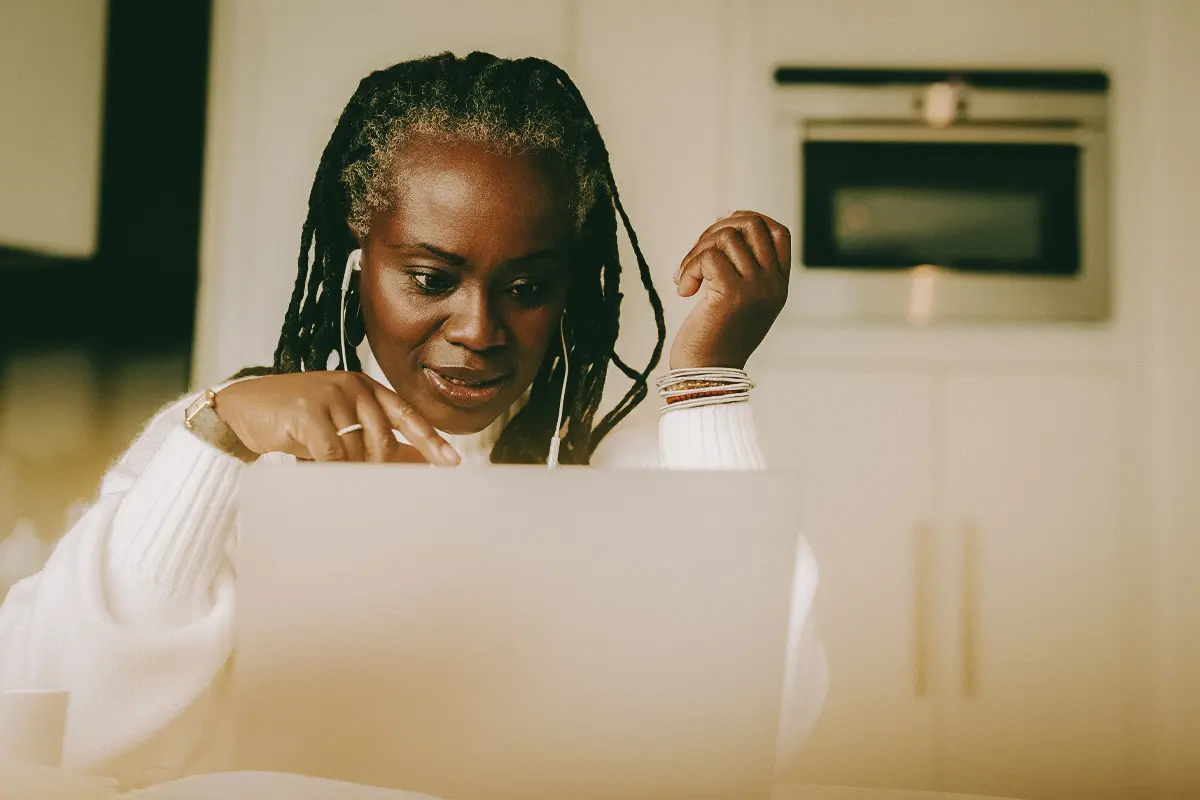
{"x": 971, "y": 197}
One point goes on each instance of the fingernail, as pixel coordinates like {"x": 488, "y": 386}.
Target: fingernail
{"x": 451, "y": 454}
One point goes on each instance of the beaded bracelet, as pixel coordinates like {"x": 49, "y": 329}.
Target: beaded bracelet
{"x": 689, "y": 388}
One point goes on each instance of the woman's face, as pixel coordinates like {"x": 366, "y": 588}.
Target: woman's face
{"x": 464, "y": 279}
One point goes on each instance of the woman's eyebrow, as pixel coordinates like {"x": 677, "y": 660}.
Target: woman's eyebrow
{"x": 454, "y": 259}
{"x": 536, "y": 255}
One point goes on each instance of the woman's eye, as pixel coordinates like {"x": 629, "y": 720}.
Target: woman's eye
{"x": 431, "y": 282}
{"x": 525, "y": 291}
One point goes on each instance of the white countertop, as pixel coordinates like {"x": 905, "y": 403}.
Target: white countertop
{"x": 24, "y": 782}
{"x": 850, "y": 793}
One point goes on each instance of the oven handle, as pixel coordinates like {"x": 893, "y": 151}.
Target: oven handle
{"x": 982, "y": 134}
{"x": 922, "y": 603}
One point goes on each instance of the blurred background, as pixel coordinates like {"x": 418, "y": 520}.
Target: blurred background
{"x": 986, "y": 375}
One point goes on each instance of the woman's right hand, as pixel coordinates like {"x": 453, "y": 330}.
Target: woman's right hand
{"x": 301, "y": 413}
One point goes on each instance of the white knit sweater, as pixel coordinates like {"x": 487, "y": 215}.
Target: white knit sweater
{"x": 133, "y": 612}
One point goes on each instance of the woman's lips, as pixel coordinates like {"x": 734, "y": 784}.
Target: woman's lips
{"x": 463, "y": 393}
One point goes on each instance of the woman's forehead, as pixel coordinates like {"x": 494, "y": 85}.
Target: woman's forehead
{"x": 465, "y": 191}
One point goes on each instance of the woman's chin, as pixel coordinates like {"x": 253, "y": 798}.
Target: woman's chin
{"x": 460, "y": 421}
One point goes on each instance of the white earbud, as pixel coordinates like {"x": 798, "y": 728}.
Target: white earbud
{"x": 353, "y": 264}
{"x": 556, "y": 440}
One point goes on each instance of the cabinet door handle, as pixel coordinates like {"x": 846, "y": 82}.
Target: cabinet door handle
{"x": 970, "y": 609}
{"x": 922, "y": 586}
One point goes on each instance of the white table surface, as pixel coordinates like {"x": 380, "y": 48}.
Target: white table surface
{"x": 26, "y": 782}
{"x": 850, "y": 793}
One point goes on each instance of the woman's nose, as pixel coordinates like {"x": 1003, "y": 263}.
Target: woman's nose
{"x": 474, "y": 324}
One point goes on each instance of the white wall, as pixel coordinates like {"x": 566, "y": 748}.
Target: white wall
{"x": 1173, "y": 379}
{"x": 652, "y": 75}
{"x": 51, "y": 90}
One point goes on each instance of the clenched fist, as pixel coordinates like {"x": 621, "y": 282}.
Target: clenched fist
{"x": 740, "y": 268}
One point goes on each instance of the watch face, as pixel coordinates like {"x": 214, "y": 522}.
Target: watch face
{"x": 195, "y": 408}
{"x": 202, "y": 420}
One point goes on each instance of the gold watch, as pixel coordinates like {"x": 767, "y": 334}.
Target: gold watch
{"x": 202, "y": 419}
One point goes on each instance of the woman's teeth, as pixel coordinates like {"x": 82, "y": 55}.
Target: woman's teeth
{"x": 462, "y": 393}
{"x": 472, "y": 384}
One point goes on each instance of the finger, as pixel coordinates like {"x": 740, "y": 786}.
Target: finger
{"x": 731, "y": 243}
{"x": 713, "y": 266}
{"x": 757, "y": 236}
{"x": 753, "y": 229}
{"x": 407, "y": 454}
{"x": 781, "y": 237}
{"x": 725, "y": 220}
{"x": 343, "y": 415}
{"x": 319, "y": 440}
{"x": 377, "y": 429}
{"x": 701, "y": 244}
{"x": 416, "y": 429}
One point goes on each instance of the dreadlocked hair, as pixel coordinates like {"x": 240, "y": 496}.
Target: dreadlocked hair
{"x": 527, "y": 106}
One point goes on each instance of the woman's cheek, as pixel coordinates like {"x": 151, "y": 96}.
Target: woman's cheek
{"x": 393, "y": 310}
{"x": 536, "y": 330}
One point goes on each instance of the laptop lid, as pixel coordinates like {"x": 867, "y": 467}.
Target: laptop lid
{"x": 512, "y": 632}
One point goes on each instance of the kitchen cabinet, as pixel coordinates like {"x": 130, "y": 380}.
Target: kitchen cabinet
{"x": 861, "y": 441}
{"x": 972, "y": 601}
{"x": 1034, "y": 594}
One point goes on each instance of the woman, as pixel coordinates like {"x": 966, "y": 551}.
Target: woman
{"x": 462, "y": 237}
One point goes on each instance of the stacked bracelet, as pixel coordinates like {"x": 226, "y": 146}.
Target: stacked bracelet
{"x": 688, "y": 388}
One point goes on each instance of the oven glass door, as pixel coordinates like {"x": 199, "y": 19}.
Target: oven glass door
{"x": 972, "y": 206}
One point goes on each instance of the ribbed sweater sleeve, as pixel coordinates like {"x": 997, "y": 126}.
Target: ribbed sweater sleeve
{"x": 710, "y": 437}
{"x": 170, "y": 531}
{"x": 133, "y": 612}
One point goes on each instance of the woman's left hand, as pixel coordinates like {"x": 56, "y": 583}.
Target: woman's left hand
{"x": 740, "y": 267}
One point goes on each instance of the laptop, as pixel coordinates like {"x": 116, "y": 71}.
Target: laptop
{"x": 514, "y": 632}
